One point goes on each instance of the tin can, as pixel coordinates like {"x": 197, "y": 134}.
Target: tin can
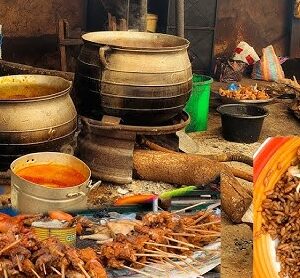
{"x": 64, "y": 235}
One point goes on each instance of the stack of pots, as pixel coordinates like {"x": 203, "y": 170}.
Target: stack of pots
{"x": 143, "y": 78}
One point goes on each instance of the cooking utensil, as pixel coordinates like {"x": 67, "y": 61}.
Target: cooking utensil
{"x": 28, "y": 197}
{"x": 144, "y": 78}
{"x": 36, "y": 113}
{"x": 241, "y": 122}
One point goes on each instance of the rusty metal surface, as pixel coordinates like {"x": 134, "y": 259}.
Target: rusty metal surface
{"x": 108, "y": 153}
{"x": 176, "y": 124}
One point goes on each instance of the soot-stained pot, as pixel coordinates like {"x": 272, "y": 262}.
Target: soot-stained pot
{"x": 36, "y": 114}
{"x": 144, "y": 78}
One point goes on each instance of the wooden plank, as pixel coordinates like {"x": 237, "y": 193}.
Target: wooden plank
{"x": 62, "y": 48}
{"x": 295, "y": 39}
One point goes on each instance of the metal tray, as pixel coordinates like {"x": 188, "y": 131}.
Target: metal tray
{"x": 228, "y": 100}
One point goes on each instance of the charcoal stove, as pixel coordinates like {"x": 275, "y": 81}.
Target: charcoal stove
{"x": 107, "y": 146}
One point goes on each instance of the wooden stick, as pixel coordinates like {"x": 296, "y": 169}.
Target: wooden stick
{"x": 19, "y": 263}
{"x": 83, "y": 271}
{"x": 206, "y": 224}
{"x": 179, "y": 241}
{"x": 177, "y": 265}
{"x": 35, "y": 273}
{"x": 166, "y": 253}
{"x": 161, "y": 262}
{"x": 157, "y": 255}
{"x": 55, "y": 270}
{"x": 159, "y": 251}
{"x": 10, "y": 246}
{"x": 168, "y": 246}
{"x": 202, "y": 217}
{"x": 177, "y": 256}
{"x": 138, "y": 271}
{"x": 192, "y": 267}
{"x": 182, "y": 234}
{"x": 145, "y": 265}
{"x": 190, "y": 207}
{"x": 5, "y": 273}
{"x": 211, "y": 235}
{"x": 203, "y": 231}
{"x": 63, "y": 271}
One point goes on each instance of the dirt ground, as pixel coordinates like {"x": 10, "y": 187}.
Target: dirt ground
{"x": 236, "y": 239}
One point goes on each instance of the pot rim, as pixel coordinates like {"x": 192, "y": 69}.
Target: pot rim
{"x": 249, "y": 117}
{"x": 40, "y": 98}
{"x": 86, "y": 38}
{"x": 85, "y": 183}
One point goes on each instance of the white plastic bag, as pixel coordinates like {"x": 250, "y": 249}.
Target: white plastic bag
{"x": 244, "y": 52}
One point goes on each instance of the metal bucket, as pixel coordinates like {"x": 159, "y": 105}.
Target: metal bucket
{"x": 28, "y": 197}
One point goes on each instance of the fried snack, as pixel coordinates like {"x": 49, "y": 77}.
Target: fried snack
{"x": 245, "y": 93}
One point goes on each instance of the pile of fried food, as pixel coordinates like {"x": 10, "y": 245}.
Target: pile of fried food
{"x": 164, "y": 238}
{"x": 245, "y": 93}
{"x": 281, "y": 216}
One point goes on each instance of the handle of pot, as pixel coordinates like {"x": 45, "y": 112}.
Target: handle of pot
{"x": 75, "y": 195}
{"x": 102, "y": 53}
{"x": 92, "y": 186}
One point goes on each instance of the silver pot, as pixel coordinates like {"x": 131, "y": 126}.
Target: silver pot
{"x": 28, "y": 197}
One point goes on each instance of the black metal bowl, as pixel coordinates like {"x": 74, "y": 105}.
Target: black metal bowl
{"x": 242, "y": 122}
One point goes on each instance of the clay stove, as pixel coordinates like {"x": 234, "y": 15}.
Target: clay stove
{"x": 107, "y": 146}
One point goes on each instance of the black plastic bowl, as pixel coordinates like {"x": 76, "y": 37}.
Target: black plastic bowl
{"x": 241, "y": 122}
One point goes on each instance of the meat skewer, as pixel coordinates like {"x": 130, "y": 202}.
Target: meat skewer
{"x": 162, "y": 235}
{"x": 10, "y": 246}
{"x": 169, "y": 246}
{"x": 149, "y": 266}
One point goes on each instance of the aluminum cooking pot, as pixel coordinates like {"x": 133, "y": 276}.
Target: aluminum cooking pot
{"x": 28, "y": 197}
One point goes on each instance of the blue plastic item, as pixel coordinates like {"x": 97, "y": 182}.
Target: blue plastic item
{"x": 233, "y": 87}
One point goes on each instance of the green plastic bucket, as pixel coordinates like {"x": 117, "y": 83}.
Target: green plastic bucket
{"x": 198, "y": 104}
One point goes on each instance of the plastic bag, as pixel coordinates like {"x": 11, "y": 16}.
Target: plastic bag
{"x": 244, "y": 52}
{"x": 269, "y": 67}
{"x": 228, "y": 70}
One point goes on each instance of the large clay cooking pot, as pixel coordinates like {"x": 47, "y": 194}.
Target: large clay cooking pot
{"x": 145, "y": 78}
{"x": 36, "y": 114}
